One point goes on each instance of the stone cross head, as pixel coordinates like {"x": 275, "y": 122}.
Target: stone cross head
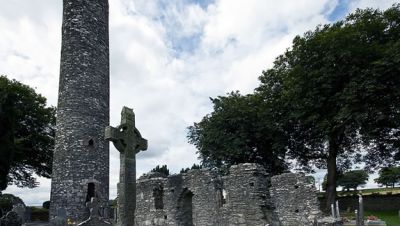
{"x": 126, "y": 137}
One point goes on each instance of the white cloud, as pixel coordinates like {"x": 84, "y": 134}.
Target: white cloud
{"x": 227, "y": 45}
{"x": 362, "y": 4}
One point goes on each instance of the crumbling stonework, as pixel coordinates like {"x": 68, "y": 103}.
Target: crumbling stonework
{"x": 81, "y": 156}
{"x": 204, "y": 197}
{"x": 295, "y": 199}
{"x": 244, "y": 197}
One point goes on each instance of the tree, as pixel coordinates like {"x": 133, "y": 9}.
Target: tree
{"x": 238, "y": 131}
{"x": 195, "y": 166}
{"x": 7, "y": 201}
{"x": 46, "y": 205}
{"x": 389, "y": 176}
{"x": 352, "y": 179}
{"x": 163, "y": 170}
{"x": 336, "y": 92}
{"x": 26, "y": 134}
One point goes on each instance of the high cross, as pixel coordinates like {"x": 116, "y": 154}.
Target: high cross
{"x": 128, "y": 141}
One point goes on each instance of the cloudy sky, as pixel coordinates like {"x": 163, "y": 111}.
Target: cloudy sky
{"x": 167, "y": 58}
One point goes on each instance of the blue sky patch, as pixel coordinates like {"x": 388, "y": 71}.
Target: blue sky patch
{"x": 340, "y": 11}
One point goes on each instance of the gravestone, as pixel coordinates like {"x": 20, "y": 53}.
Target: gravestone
{"x": 360, "y": 210}
{"x": 11, "y": 219}
{"x": 61, "y": 218}
{"x": 94, "y": 218}
{"x": 28, "y": 214}
{"x": 128, "y": 141}
{"x": 20, "y": 210}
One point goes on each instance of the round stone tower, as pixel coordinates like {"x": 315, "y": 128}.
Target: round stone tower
{"x": 81, "y": 156}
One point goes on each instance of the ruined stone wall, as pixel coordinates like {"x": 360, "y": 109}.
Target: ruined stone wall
{"x": 246, "y": 196}
{"x": 295, "y": 199}
{"x": 81, "y": 156}
{"x": 204, "y": 198}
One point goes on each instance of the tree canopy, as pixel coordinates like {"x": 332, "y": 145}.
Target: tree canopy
{"x": 352, "y": 179}
{"x": 238, "y": 131}
{"x": 389, "y": 176}
{"x": 161, "y": 169}
{"x": 336, "y": 91}
{"x": 194, "y": 166}
{"x": 329, "y": 101}
{"x": 26, "y": 134}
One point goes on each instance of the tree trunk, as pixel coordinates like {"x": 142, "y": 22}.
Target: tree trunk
{"x": 332, "y": 172}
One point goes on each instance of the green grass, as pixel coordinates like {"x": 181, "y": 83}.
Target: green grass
{"x": 371, "y": 191}
{"x": 390, "y": 217}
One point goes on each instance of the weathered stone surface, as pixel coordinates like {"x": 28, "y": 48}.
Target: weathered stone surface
{"x": 11, "y": 219}
{"x": 204, "y": 197}
{"x": 81, "y": 157}
{"x": 328, "y": 221}
{"x": 128, "y": 141}
{"x": 60, "y": 219}
{"x": 94, "y": 219}
{"x": 295, "y": 199}
{"x": 20, "y": 210}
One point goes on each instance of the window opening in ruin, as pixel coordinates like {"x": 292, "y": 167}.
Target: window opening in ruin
{"x": 224, "y": 196}
{"x": 252, "y": 184}
{"x": 158, "y": 195}
{"x": 91, "y": 190}
{"x": 296, "y": 211}
{"x": 296, "y": 186}
{"x": 185, "y": 208}
{"x": 165, "y": 217}
{"x": 91, "y": 142}
{"x": 221, "y": 197}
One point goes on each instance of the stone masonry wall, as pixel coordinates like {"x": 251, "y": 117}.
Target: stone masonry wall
{"x": 204, "y": 198}
{"x": 247, "y": 196}
{"x": 295, "y": 199}
{"x": 81, "y": 156}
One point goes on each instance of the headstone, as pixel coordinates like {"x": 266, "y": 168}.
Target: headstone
{"x": 357, "y": 218}
{"x": 333, "y": 210}
{"x": 115, "y": 215}
{"x": 11, "y": 219}
{"x": 20, "y": 210}
{"x": 60, "y": 219}
{"x": 337, "y": 210}
{"x": 361, "y": 210}
{"x": 94, "y": 218}
{"x": 28, "y": 214}
{"x": 329, "y": 221}
{"x": 128, "y": 141}
{"x": 375, "y": 223}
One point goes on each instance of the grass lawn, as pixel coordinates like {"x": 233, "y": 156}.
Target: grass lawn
{"x": 391, "y": 217}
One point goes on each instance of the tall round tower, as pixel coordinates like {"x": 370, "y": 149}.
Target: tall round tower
{"x": 81, "y": 156}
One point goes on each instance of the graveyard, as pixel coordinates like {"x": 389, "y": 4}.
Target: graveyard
{"x": 245, "y": 177}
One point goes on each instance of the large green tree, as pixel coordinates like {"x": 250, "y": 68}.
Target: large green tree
{"x": 389, "y": 176}
{"x": 337, "y": 92}
{"x": 238, "y": 130}
{"x": 353, "y": 179}
{"x": 26, "y": 134}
